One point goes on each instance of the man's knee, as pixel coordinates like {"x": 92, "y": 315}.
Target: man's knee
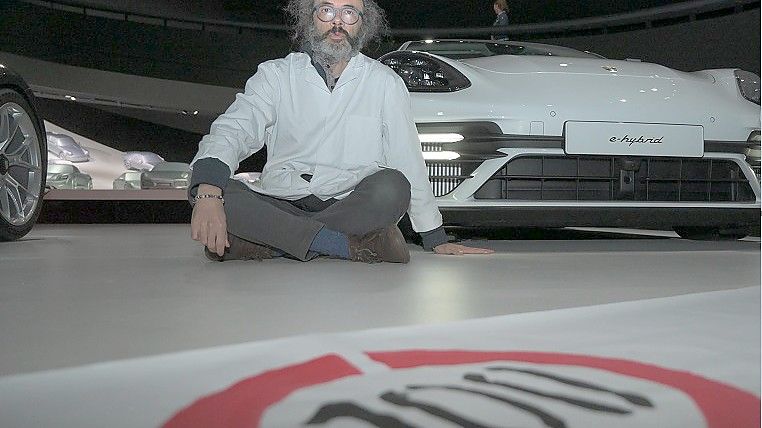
{"x": 242, "y": 201}
{"x": 390, "y": 190}
{"x": 235, "y": 187}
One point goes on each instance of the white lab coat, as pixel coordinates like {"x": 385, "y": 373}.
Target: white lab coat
{"x": 339, "y": 137}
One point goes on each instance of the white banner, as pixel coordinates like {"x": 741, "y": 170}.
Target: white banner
{"x": 687, "y": 361}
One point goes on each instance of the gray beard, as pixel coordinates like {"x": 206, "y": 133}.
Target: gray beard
{"x": 326, "y": 52}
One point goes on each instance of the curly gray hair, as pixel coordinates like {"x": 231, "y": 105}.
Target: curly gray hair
{"x": 374, "y": 24}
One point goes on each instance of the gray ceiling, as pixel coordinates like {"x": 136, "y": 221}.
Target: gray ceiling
{"x": 402, "y": 14}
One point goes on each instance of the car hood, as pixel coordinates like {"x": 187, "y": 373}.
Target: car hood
{"x": 533, "y": 64}
{"x": 539, "y": 94}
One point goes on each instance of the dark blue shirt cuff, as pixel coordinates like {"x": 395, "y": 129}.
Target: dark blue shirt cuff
{"x": 433, "y": 238}
{"x": 208, "y": 171}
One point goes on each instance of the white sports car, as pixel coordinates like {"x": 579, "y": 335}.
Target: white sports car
{"x": 141, "y": 161}
{"x": 166, "y": 175}
{"x": 66, "y": 148}
{"x": 66, "y": 176}
{"x": 526, "y": 134}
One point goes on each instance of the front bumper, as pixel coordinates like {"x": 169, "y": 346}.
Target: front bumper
{"x": 645, "y": 216}
{"x": 148, "y": 183}
{"x": 504, "y": 180}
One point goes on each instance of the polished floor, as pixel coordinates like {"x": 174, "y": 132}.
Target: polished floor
{"x": 78, "y": 294}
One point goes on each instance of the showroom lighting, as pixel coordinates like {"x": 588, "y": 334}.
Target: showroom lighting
{"x": 71, "y": 98}
{"x": 564, "y": 65}
{"x": 428, "y": 41}
{"x": 440, "y": 138}
{"x": 440, "y": 155}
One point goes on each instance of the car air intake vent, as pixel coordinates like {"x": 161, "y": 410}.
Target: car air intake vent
{"x": 445, "y": 176}
{"x": 606, "y": 178}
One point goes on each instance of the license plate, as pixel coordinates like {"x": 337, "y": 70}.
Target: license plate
{"x": 636, "y": 139}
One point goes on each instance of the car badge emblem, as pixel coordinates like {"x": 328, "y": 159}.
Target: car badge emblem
{"x": 609, "y": 68}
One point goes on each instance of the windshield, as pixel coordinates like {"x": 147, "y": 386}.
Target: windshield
{"x": 60, "y": 168}
{"x": 171, "y": 166}
{"x": 462, "y": 49}
{"x": 61, "y": 140}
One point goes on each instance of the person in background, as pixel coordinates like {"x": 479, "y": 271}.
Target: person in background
{"x": 344, "y": 161}
{"x": 501, "y": 10}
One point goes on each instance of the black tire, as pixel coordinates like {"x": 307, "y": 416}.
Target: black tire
{"x": 712, "y": 233}
{"x": 9, "y": 231}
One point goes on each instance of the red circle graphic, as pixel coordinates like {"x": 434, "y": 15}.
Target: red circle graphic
{"x": 244, "y": 403}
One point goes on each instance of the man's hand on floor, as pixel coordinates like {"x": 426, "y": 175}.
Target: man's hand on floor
{"x": 458, "y": 250}
{"x": 209, "y": 225}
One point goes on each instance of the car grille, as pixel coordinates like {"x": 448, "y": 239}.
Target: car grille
{"x": 445, "y": 176}
{"x": 602, "y": 178}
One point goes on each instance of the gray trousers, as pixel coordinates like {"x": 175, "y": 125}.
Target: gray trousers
{"x": 377, "y": 201}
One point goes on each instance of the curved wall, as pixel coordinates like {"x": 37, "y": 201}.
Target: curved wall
{"x": 227, "y": 57}
{"x": 731, "y": 41}
{"x": 219, "y": 58}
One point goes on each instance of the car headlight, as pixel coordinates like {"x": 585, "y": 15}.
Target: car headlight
{"x": 184, "y": 175}
{"x": 440, "y": 138}
{"x": 424, "y": 73}
{"x": 748, "y": 84}
{"x": 441, "y": 155}
{"x": 754, "y": 152}
{"x": 437, "y": 152}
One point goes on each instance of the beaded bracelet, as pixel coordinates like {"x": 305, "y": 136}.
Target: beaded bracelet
{"x": 208, "y": 195}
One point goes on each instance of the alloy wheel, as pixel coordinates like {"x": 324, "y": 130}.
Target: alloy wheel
{"x": 20, "y": 165}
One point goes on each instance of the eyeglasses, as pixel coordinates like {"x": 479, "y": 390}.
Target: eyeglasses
{"x": 348, "y": 14}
